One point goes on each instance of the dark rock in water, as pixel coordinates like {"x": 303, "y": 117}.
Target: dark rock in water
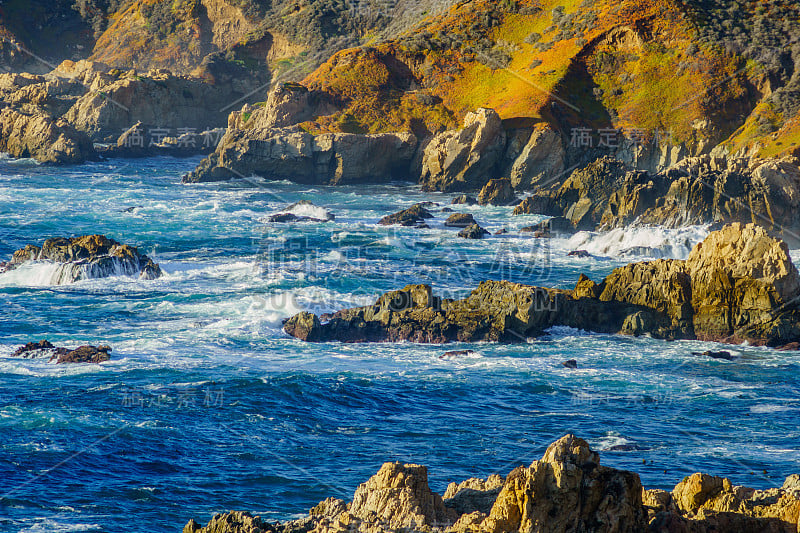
{"x": 736, "y": 276}
{"x": 497, "y": 192}
{"x": 460, "y": 220}
{"x": 422, "y": 226}
{"x": 473, "y": 232}
{"x": 571, "y": 363}
{"x": 412, "y": 216}
{"x": 549, "y": 227}
{"x": 790, "y": 347}
{"x": 85, "y": 354}
{"x": 88, "y": 257}
{"x": 464, "y": 199}
{"x": 501, "y": 231}
{"x": 31, "y": 348}
{"x": 456, "y": 353}
{"x": 82, "y": 354}
{"x": 722, "y": 354}
{"x": 446, "y": 210}
{"x": 282, "y": 218}
{"x": 579, "y": 253}
{"x": 132, "y": 208}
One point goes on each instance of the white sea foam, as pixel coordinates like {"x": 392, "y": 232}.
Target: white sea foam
{"x": 311, "y": 211}
{"x": 639, "y": 242}
{"x": 31, "y": 274}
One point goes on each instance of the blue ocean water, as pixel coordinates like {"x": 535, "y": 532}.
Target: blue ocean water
{"x": 207, "y": 406}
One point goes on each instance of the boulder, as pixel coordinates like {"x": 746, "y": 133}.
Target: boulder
{"x": 87, "y": 257}
{"x": 473, "y": 231}
{"x": 460, "y": 220}
{"x": 497, "y": 192}
{"x": 464, "y": 160}
{"x": 412, "y": 216}
{"x": 301, "y": 211}
{"x": 232, "y": 522}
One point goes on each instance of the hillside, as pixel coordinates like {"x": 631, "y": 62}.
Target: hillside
{"x": 695, "y": 73}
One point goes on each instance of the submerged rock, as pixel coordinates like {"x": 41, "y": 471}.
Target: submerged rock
{"x": 82, "y": 354}
{"x": 464, "y": 199}
{"x": 737, "y": 285}
{"x": 87, "y": 257}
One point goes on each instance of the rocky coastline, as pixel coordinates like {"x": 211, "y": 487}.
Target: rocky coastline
{"x": 738, "y": 285}
{"x": 568, "y": 490}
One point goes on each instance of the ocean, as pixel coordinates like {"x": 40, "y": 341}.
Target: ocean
{"x": 207, "y": 406}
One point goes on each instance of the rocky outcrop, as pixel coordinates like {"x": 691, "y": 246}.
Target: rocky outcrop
{"x": 567, "y": 490}
{"x": 42, "y": 137}
{"x": 700, "y": 190}
{"x": 497, "y": 192}
{"x": 86, "y": 257}
{"x": 290, "y": 153}
{"x": 737, "y": 285}
{"x": 82, "y": 354}
{"x": 460, "y": 220}
{"x": 463, "y": 160}
{"x": 302, "y": 211}
{"x": 541, "y": 162}
{"x": 706, "y": 504}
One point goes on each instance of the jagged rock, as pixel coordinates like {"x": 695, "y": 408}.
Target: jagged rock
{"x": 464, "y": 199}
{"x": 460, "y": 220}
{"x": 473, "y": 495}
{"x": 706, "y": 503}
{"x": 741, "y": 281}
{"x": 232, "y": 522}
{"x": 570, "y": 363}
{"x": 293, "y": 154}
{"x": 738, "y": 272}
{"x": 288, "y": 104}
{"x": 579, "y": 253}
{"x": 399, "y": 497}
{"x": 541, "y": 162}
{"x": 87, "y": 257}
{"x": 82, "y": 354}
{"x": 407, "y": 217}
{"x": 568, "y": 490}
{"x": 464, "y": 160}
{"x": 473, "y": 231}
{"x": 42, "y": 137}
{"x": 497, "y": 192}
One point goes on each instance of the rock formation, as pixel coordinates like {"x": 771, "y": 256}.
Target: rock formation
{"x": 737, "y": 285}
{"x": 462, "y": 160}
{"x": 86, "y": 257}
{"x": 701, "y": 190}
{"x": 568, "y": 490}
{"x": 82, "y": 354}
{"x": 497, "y": 192}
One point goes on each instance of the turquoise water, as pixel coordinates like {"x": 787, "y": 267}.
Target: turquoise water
{"x": 207, "y": 406}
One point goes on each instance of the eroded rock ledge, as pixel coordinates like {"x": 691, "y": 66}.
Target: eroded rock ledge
{"x": 568, "y": 490}
{"x": 738, "y": 285}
